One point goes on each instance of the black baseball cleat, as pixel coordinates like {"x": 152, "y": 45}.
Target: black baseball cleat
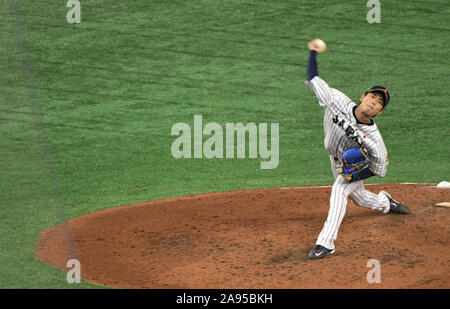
{"x": 319, "y": 252}
{"x": 396, "y": 207}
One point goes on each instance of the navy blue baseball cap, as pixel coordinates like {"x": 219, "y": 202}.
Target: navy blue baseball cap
{"x": 383, "y": 91}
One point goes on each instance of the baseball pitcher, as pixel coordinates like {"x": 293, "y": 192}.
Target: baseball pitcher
{"x": 355, "y": 147}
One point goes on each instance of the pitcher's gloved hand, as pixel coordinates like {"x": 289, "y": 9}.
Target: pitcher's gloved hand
{"x": 353, "y": 161}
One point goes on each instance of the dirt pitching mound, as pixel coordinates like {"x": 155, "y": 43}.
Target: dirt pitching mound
{"x": 257, "y": 239}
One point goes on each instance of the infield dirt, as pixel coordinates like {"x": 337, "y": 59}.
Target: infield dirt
{"x": 257, "y": 239}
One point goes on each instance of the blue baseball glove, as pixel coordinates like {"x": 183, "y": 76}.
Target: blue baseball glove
{"x": 353, "y": 161}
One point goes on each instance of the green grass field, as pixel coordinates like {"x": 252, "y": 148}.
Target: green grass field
{"x": 87, "y": 109}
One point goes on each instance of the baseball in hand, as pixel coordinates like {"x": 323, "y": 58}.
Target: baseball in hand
{"x": 318, "y": 45}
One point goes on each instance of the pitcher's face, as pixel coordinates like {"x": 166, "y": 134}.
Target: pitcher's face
{"x": 371, "y": 104}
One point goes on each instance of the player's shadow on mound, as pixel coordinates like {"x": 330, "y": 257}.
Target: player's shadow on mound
{"x": 290, "y": 255}
{"x": 363, "y": 214}
{"x": 366, "y": 214}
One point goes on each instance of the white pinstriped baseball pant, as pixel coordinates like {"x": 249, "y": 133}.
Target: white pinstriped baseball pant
{"x": 340, "y": 191}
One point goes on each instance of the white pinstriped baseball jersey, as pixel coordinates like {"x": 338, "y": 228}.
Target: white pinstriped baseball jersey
{"x": 336, "y": 141}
